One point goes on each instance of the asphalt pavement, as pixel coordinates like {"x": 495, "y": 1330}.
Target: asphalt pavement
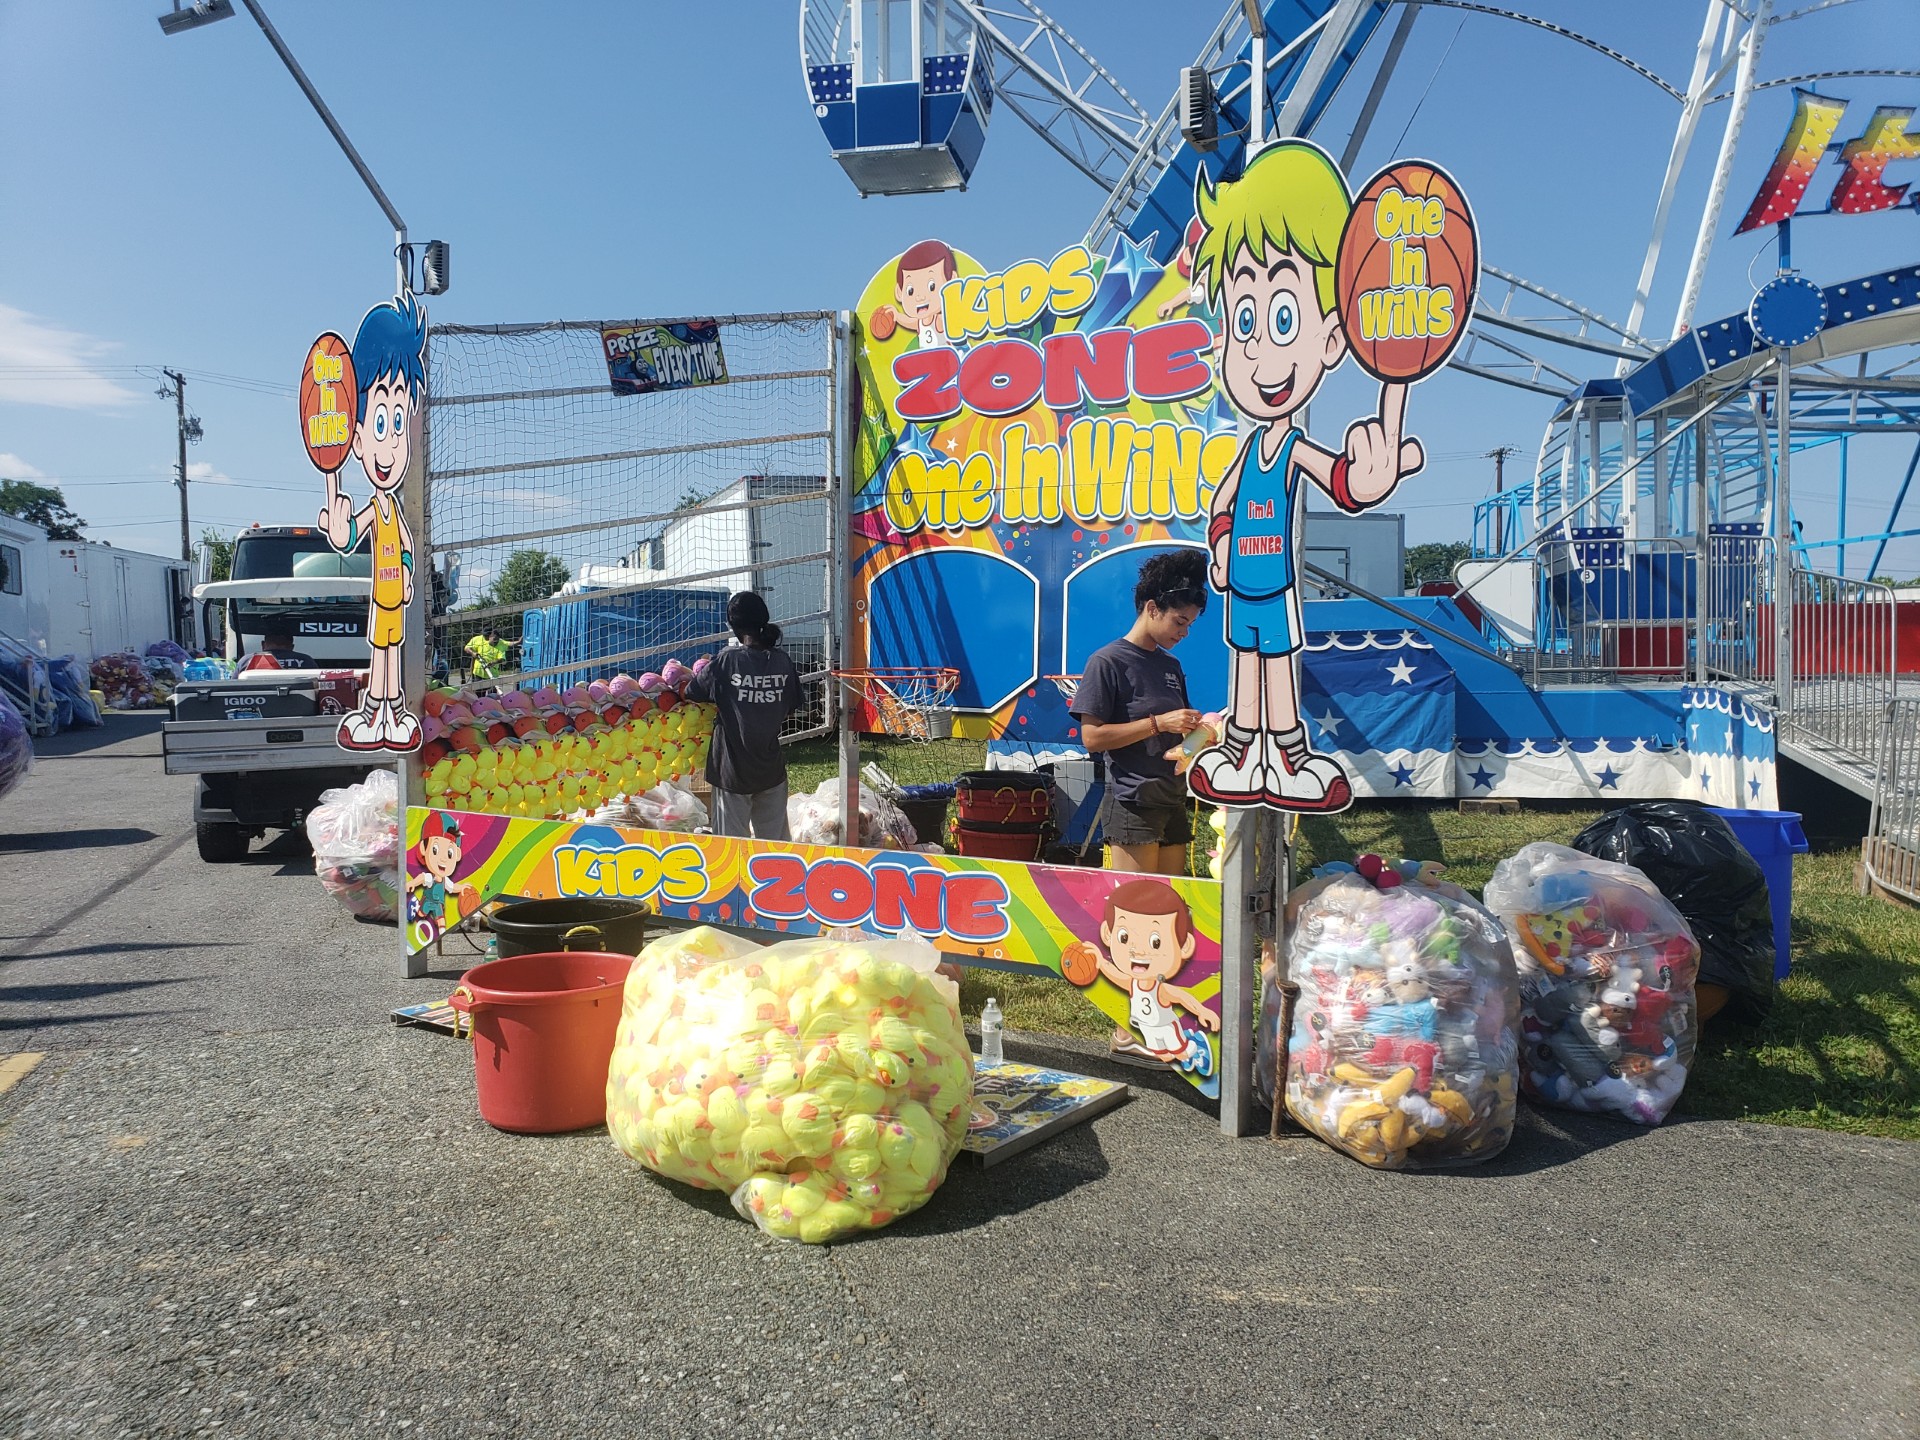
{"x": 235, "y": 1198}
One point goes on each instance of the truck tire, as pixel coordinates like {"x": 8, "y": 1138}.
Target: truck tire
{"x": 221, "y": 844}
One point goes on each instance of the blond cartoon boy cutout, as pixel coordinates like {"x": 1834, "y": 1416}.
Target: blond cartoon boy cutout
{"x": 1266, "y": 256}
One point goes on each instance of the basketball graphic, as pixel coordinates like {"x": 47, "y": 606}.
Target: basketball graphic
{"x": 1080, "y": 963}
{"x": 328, "y": 399}
{"x": 1407, "y": 271}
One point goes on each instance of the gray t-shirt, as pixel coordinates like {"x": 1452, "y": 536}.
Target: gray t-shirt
{"x": 755, "y": 691}
{"x": 1123, "y": 682}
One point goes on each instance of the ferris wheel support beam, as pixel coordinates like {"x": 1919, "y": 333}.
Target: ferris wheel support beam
{"x": 1749, "y": 52}
{"x": 1696, "y": 102}
{"x": 1342, "y": 20}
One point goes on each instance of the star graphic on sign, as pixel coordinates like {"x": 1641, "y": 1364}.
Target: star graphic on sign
{"x": 1706, "y": 780}
{"x": 1482, "y": 778}
{"x": 913, "y": 441}
{"x": 951, "y": 444}
{"x": 1754, "y": 785}
{"x": 1401, "y": 774}
{"x": 1134, "y": 261}
{"x": 1401, "y": 671}
{"x": 1329, "y": 724}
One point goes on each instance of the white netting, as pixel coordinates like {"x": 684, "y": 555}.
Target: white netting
{"x": 657, "y": 507}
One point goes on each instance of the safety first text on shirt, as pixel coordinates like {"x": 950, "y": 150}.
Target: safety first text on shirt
{"x": 760, "y": 689}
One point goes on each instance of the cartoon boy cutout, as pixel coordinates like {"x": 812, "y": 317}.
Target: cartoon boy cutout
{"x": 1146, "y": 936}
{"x": 389, "y": 367}
{"x": 1267, "y": 256}
{"x": 434, "y": 860}
{"x": 917, "y": 281}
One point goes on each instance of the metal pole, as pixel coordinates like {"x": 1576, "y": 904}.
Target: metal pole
{"x": 417, "y": 635}
{"x": 1706, "y": 579}
{"x": 1239, "y": 962}
{"x": 1783, "y": 542}
{"x": 846, "y": 431}
{"x": 180, "y": 430}
{"x": 340, "y": 138}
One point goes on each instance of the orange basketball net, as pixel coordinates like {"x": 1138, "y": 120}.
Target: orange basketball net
{"x": 900, "y": 698}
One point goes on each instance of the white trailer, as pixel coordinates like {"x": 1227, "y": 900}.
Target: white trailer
{"x": 1368, "y": 550}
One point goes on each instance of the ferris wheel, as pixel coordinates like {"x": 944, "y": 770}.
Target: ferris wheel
{"x": 904, "y": 91}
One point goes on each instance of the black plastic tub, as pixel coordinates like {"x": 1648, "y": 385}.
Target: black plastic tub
{"x": 540, "y": 927}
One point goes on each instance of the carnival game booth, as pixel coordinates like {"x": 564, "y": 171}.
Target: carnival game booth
{"x": 657, "y": 499}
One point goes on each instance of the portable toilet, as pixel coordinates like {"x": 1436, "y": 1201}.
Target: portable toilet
{"x": 901, "y": 88}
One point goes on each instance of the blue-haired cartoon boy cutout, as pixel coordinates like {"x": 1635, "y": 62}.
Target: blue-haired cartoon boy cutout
{"x": 389, "y": 367}
{"x": 1266, "y": 254}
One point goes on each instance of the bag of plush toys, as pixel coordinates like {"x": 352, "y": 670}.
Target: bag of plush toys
{"x": 1403, "y": 1050}
{"x": 355, "y": 834}
{"x": 824, "y": 1084}
{"x": 1607, "y": 970}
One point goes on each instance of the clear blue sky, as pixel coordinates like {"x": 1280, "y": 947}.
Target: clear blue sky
{"x": 173, "y": 201}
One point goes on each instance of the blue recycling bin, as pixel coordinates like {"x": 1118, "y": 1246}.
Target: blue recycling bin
{"x": 1773, "y": 838}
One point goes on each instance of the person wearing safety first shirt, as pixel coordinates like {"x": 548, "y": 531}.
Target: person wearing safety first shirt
{"x": 754, "y": 685}
{"x": 488, "y": 651}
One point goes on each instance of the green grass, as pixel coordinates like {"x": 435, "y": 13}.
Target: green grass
{"x": 1841, "y": 1050}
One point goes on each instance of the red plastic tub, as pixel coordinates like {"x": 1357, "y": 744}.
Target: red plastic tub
{"x": 1024, "y": 844}
{"x": 543, "y": 1028}
{"x": 1003, "y": 797}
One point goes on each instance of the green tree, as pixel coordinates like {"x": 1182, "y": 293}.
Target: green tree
{"x": 41, "y": 505}
{"x": 1434, "y": 560}
{"x": 218, "y": 551}
{"x": 527, "y": 575}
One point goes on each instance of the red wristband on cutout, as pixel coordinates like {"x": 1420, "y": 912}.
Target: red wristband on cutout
{"x": 1218, "y": 526}
{"x": 1342, "y": 496}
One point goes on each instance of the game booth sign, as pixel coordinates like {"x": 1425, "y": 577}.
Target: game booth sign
{"x": 1021, "y": 441}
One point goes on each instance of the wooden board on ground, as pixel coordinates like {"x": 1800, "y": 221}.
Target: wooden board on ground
{"x": 1018, "y": 1106}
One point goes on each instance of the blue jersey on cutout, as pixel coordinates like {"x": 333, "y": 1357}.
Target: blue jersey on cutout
{"x": 1260, "y": 560}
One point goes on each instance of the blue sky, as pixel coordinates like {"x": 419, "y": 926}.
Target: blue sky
{"x": 173, "y": 201}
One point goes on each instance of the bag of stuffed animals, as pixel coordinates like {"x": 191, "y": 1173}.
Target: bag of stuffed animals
{"x": 1607, "y": 971}
{"x": 1403, "y": 1049}
{"x": 16, "y": 746}
{"x": 815, "y": 820}
{"x": 824, "y": 1084}
{"x": 355, "y": 834}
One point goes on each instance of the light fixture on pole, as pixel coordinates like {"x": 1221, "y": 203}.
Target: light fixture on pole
{"x": 205, "y": 12}
{"x": 195, "y": 14}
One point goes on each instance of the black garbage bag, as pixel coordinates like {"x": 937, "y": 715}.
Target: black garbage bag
{"x": 1695, "y": 860}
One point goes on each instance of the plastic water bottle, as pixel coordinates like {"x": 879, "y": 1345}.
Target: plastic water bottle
{"x": 990, "y": 1033}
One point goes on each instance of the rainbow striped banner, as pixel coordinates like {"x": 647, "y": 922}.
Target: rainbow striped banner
{"x": 995, "y": 913}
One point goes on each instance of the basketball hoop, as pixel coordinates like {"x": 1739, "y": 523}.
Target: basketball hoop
{"x": 1067, "y": 685}
{"x": 908, "y": 702}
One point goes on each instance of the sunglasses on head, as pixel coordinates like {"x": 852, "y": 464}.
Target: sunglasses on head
{"x": 1174, "y": 599}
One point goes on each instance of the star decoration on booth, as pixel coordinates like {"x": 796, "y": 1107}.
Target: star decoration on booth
{"x": 1609, "y": 778}
{"x": 1754, "y": 786}
{"x": 913, "y": 441}
{"x": 1133, "y": 261}
{"x": 1402, "y": 776}
{"x": 951, "y": 444}
{"x": 1401, "y": 671}
{"x": 1482, "y": 778}
{"x": 1329, "y": 724}
{"x": 1706, "y": 780}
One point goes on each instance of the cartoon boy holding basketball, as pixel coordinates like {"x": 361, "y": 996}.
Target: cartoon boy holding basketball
{"x": 390, "y": 373}
{"x": 1146, "y": 938}
{"x": 1267, "y": 256}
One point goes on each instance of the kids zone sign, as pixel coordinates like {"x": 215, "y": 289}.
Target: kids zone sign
{"x": 1095, "y": 928}
{"x": 1031, "y": 435}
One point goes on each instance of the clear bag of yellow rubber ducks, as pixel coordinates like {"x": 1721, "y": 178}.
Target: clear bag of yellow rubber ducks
{"x": 1403, "y": 1049}
{"x": 824, "y": 1084}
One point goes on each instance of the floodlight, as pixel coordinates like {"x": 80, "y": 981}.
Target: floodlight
{"x": 196, "y": 14}
{"x": 435, "y": 275}
{"x": 1199, "y": 119}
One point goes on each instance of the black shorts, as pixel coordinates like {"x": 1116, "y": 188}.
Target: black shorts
{"x": 1159, "y": 814}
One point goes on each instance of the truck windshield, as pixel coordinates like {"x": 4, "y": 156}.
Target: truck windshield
{"x": 276, "y": 557}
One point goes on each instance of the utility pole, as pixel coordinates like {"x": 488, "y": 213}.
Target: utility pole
{"x": 1499, "y": 457}
{"x": 187, "y": 428}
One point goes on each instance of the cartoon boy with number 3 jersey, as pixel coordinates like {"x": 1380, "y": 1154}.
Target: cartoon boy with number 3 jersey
{"x": 1267, "y": 256}
{"x": 390, "y": 371}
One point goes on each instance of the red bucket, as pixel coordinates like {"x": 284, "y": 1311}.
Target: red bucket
{"x": 1024, "y": 844}
{"x": 1003, "y": 797}
{"x": 542, "y": 1028}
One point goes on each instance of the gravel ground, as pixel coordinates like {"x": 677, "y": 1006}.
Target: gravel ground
{"x": 234, "y": 1198}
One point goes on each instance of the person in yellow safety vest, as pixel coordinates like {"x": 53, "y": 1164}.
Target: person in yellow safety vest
{"x": 487, "y": 652}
